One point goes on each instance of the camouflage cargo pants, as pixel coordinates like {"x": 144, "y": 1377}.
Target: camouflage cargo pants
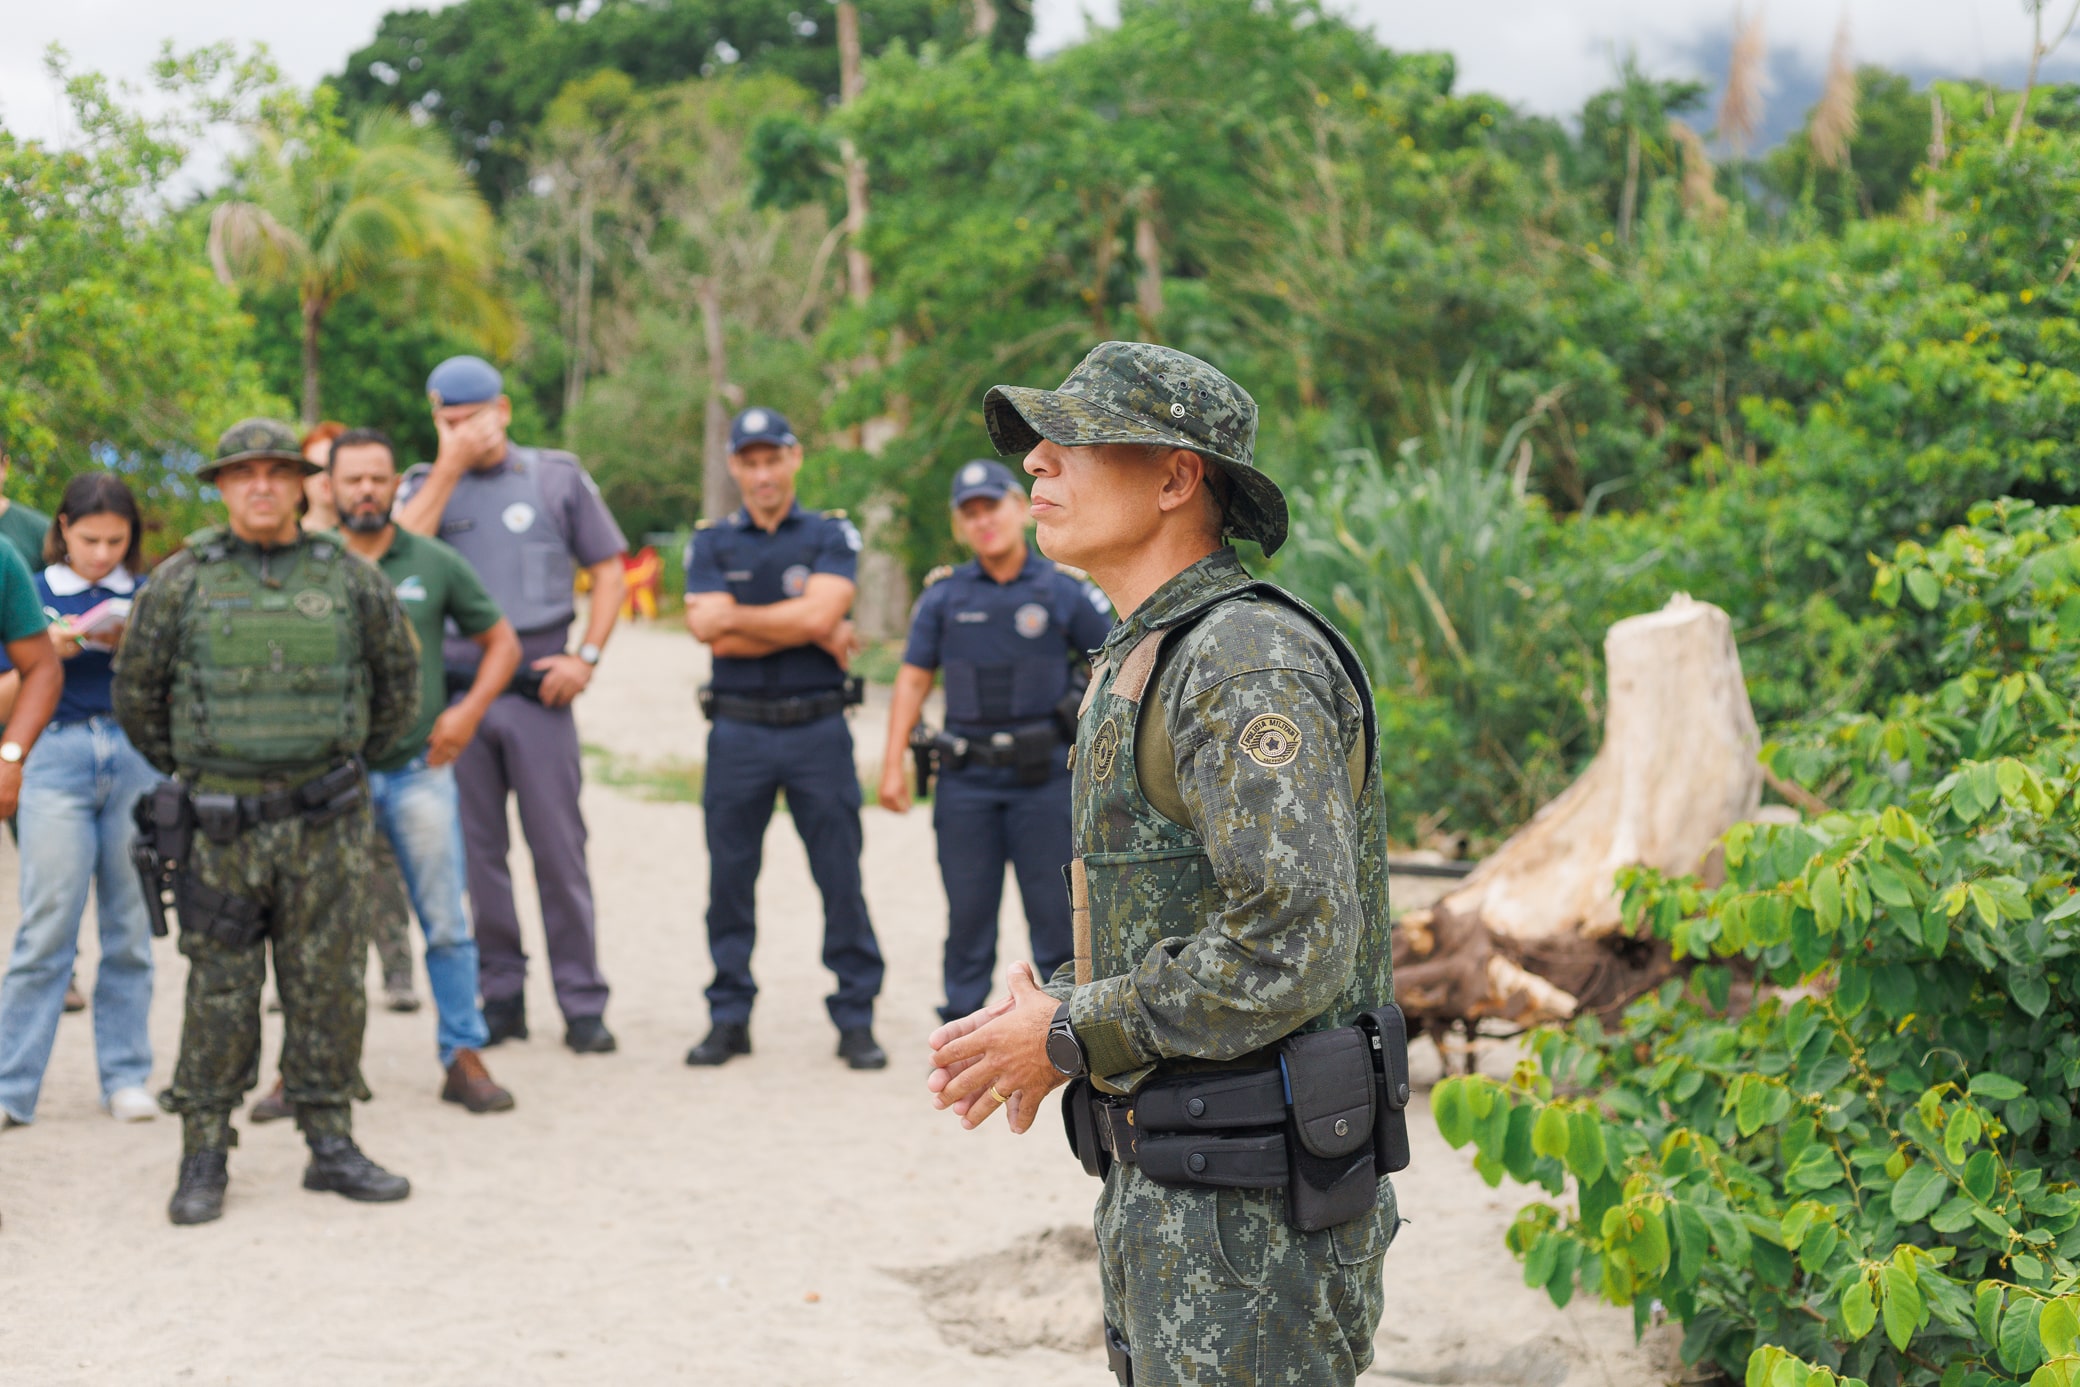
{"x": 314, "y": 881}
{"x": 1215, "y": 1287}
{"x": 389, "y": 926}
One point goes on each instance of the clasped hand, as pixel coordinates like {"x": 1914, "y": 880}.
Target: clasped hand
{"x": 999, "y": 1051}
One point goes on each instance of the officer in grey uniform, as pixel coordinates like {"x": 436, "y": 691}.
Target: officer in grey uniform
{"x": 526, "y": 519}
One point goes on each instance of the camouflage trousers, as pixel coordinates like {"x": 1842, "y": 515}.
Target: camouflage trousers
{"x": 1215, "y": 1287}
{"x": 314, "y": 881}
{"x": 390, "y": 919}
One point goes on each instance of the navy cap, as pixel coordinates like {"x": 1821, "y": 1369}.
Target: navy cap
{"x": 464, "y": 380}
{"x": 983, "y": 477}
{"x": 757, "y": 425}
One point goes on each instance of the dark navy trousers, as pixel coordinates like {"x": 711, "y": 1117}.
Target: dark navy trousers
{"x": 984, "y": 817}
{"x": 747, "y": 765}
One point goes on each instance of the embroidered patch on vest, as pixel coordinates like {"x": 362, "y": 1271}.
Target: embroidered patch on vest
{"x": 1105, "y": 749}
{"x": 314, "y": 604}
{"x": 1031, "y": 620}
{"x": 1270, "y": 740}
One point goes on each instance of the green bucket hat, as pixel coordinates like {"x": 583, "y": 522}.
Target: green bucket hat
{"x": 1139, "y": 393}
{"x": 251, "y": 439}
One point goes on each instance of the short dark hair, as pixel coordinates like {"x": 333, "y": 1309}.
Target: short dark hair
{"x": 95, "y": 493}
{"x": 361, "y": 438}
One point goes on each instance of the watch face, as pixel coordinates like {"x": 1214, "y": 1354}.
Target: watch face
{"x": 1064, "y": 1053}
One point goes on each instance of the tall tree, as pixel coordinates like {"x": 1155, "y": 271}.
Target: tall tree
{"x": 384, "y": 211}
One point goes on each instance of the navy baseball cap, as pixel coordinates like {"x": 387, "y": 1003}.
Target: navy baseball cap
{"x": 464, "y": 380}
{"x": 757, "y": 425}
{"x": 983, "y": 477}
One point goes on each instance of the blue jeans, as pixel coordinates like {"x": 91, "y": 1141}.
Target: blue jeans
{"x": 78, "y": 786}
{"x": 419, "y": 811}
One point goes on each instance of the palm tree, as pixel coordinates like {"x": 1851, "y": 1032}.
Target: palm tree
{"x": 385, "y": 210}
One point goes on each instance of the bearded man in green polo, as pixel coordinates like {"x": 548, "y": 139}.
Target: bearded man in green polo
{"x": 262, "y": 664}
{"x": 1229, "y": 897}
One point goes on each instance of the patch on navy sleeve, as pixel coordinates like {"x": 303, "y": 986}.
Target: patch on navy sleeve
{"x": 1270, "y": 740}
{"x": 851, "y": 533}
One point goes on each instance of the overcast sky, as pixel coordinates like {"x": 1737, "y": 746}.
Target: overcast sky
{"x": 1545, "y": 55}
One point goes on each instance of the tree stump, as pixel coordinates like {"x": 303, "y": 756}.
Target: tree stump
{"x": 1535, "y": 934}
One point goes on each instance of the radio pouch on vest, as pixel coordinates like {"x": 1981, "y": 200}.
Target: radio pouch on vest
{"x": 1387, "y": 1031}
{"x": 1330, "y": 1097}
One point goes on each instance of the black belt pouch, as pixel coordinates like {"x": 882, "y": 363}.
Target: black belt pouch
{"x": 1330, "y": 1100}
{"x": 1080, "y": 1125}
{"x": 1387, "y": 1030}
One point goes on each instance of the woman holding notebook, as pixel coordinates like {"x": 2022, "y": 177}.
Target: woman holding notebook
{"x": 79, "y": 784}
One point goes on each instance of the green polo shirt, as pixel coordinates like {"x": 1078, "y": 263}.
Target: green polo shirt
{"x": 26, "y": 530}
{"x": 21, "y": 610}
{"x": 435, "y": 585}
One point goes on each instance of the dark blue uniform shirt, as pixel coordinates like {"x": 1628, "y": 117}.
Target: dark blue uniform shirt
{"x": 1007, "y": 649}
{"x": 758, "y": 569}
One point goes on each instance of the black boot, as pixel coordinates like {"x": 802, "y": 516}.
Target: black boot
{"x": 199, "y": 1198}
{"x": 338, "y": 1165}
{"x": 726, "y": 1039}
{"x": 588, "y": 1035}
{"x": 856, "y": 1046}
{"x": 505, "y": 1018}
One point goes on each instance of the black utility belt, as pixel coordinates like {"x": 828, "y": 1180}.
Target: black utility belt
{"x": 322, "y": 798}
{"x": 526, "y": 682}
{"x": 1014, "y": 746}
{"x": 1323, "y": 1125}
{"x": 783, "y": 711}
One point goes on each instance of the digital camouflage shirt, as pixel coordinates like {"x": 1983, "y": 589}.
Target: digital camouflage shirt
{"x": 1229, "y": 830}
{"x": 163, "y": 637}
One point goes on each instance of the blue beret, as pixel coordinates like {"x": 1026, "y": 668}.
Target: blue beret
{"x": 464, "y": 380}
{"x": 983, "y": 477}
{"x": 757, "y": 425}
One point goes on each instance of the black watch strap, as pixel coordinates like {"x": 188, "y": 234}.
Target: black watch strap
{"x": 1064, "y": 1050}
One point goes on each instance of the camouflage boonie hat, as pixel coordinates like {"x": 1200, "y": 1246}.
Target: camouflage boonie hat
{"x": 1134, "y": 392}
{"x": 250, "y": 439}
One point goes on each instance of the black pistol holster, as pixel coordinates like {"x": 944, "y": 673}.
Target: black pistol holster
{"x": 1323, "y": 1125}
{"x": 924, "y": 748}
{"x": 165, "y": 822}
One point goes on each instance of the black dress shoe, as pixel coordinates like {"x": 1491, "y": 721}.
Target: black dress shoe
{"x": 726, "y": 1040}
{"x": 338, "y": 1165}
{"x": 505, "y": 1018}
{"x": 588, "y": 1035}
{"x": 199, "y": 1198}
{"x": 856, "y": 1046}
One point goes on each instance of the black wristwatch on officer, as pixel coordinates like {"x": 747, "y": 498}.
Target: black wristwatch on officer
{"x": 1064, "y": 1050}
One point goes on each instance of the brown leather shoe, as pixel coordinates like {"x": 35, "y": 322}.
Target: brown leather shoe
{"x": 470, "y": 1084}
{"x": 274, "y": 1106}
{"x": 75, "y": 1000}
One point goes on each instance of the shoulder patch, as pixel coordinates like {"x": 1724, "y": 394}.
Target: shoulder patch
{"x": 939, "y": 574}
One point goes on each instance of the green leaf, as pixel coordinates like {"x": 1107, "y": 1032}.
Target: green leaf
{"x": 1693, "y": 1240}
{"x": 1549, "y": 1135}
{"x": 1448, "y": 1108}
{"x": 2019, "y": 1347}
{"x": 2065, "y": 1373}
{"x": 1890, "y": 887}
{"x": 2029, "y": 989}
{"x": 1903, "y": 1308}
{"x": 1585, "y": 1152}
{"x": 1859, "y": 1309}
{"x": 1543, "y": 1257}
{"x": 2067, "y": 908}
{"x": 1918, "y": 1192}
{"x": 1998, "y": 1087}
{"x": 1826, "y": 893}
{"x": 1980, "y": 1174}
{"x": 1986, "y": 1310}
{"x": 1954, "y": 1217}
{"x": 1925, "y": 587}
{"x": 1751, "y": 1104}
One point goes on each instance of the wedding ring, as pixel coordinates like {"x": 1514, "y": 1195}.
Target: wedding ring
{"x": 1001, "y": 1099}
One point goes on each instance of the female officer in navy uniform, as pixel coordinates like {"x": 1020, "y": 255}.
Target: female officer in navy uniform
{"x": 1010, "y": 630}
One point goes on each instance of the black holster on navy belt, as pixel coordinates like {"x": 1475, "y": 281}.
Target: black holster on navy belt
{"x": 1323, "y": 1125}
{"x": 790, "y": 710}
{"x": 1033, "y": 751}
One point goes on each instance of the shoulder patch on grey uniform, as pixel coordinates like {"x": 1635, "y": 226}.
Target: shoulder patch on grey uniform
{"x": 1271, "y": 740}
{"x": 939, "y": 574}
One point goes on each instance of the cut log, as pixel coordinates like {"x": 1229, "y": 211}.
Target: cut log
{"x": 1536, "y": 932}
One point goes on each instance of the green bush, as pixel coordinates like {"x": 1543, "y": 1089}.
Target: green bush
{"x": 1847, "y": 1142}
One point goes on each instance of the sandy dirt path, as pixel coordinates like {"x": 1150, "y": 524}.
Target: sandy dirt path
{"x": 781, "y": 1220}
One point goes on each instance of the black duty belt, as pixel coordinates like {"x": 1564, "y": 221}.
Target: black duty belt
{"x": 1011, "y": 747}
{"x": 1224, "y": 1129}
{"x": 788, "y": 711}
{"x": 223, "y": 817}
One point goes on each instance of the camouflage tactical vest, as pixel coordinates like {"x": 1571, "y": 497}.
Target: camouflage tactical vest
{"x": 273, "y": 682}
{"x": 1142, "y": 875}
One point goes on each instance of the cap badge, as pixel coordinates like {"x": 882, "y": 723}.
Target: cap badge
{"x": 973, "y": 474}
{"x": 755, "y": 421}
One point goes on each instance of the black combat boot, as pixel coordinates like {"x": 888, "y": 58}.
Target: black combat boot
{"x": 338, "y": 1165}
{"x": 505, "y": 1018}
{"x": 857, "y": 1047}
{"x": 588, "y": 1035}
{"x": 199, "y": 1198}
{"x": 726, "y": 1040}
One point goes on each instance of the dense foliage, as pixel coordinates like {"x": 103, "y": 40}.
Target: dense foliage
{"x": 1851, "y": 1135}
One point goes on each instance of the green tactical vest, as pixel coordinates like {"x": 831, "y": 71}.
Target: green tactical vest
{"x": 1142, "y": 875}
{"x": 274, "y": 682}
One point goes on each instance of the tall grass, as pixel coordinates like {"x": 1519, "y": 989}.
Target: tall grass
{"x": 1431, "y": 562}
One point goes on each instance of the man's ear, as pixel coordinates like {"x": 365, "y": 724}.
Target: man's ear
{"x": 1184, "y": 476}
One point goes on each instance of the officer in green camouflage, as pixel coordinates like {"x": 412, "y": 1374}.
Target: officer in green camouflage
{"x": 260, "y": 665}
{"x": 1230, "y": 888}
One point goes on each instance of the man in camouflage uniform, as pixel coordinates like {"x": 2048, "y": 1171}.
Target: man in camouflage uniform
{"x": 261, "y": 664}
{"x": 1230, "y": 883}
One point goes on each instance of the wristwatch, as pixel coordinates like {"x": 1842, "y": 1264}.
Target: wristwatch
{"x": 11, "y": 753}
{"x": 1064, "y": 1050}
{"x": 589, "y": 653}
